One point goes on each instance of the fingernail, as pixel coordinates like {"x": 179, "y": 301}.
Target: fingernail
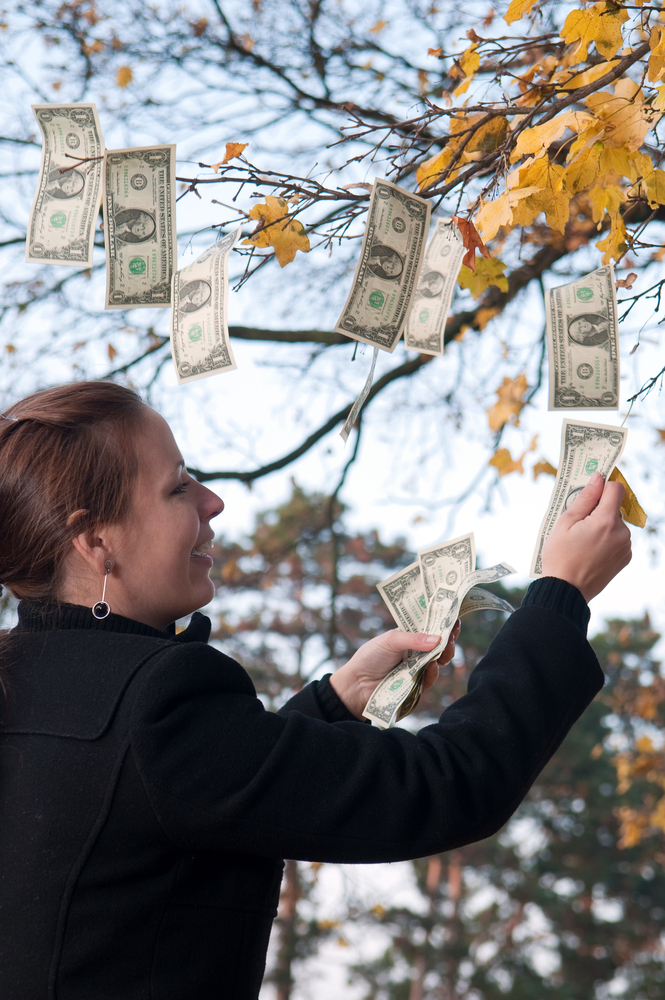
{"x": 431, "y": 640}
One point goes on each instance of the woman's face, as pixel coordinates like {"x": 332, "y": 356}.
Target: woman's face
{"x": 160, "y": 558}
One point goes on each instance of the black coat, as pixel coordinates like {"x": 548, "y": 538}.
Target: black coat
{"x": 146, "y": 796}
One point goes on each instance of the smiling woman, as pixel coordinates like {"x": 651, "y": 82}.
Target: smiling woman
{"x": 146, "y": 796}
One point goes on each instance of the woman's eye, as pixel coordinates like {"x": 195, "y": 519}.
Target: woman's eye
{"x": 181, "y": 489}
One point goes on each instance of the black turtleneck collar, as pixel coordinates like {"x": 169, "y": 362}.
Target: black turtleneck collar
{"x": 34, "y": 617}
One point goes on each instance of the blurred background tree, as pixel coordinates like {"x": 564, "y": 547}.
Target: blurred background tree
{"x": 561, "y": 902}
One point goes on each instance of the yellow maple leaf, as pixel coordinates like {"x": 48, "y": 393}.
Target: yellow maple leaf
{"x": 504, "y": 463}
{"x": 659, "y": 101}
{"x": 542, "y": 180}
{"x": 430, "y": 171}
{"x": 494, "y": 214}
{"x": 655, "y": 184}
{"x": 124, "y": 76}
{"x": 487, "y": 272}
{"x": 608, "y": 197}
{"x": 487, "y": 138}
{"x": 573, "y": 78}
{"x": 543, "y": 468}
{"x": 517, "y": 9}
{"x": 630, "y": 505}
{"x": 277, "y": 230}
{"x": 584, "y": 170}
{"x": 614, "y": 245}
{"x": 233, "y": 149}
{"x": 510, "y": 402}
{"x": 657, "y": 57}
{"x": 625, "y": 117}
{"x": 379, "y": 26}
{"x": 468, "y": 64}
{"x": 537, "y": 139}
{"x": 601, "y": 24}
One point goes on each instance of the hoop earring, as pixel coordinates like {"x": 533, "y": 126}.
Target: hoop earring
{"x": 102, "y": 609}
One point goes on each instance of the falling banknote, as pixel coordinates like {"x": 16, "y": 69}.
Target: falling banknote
{"x": 61, "y": 228}
{"x": 583, "y": 343}
{"x": 199, "y": 325}
{"x": 426, "y": 325}
{"x": 387, "y": 274}
{"x": 585, "y": 449}
{"x": 429, "y": 596}
{"x": 139, "y": 226}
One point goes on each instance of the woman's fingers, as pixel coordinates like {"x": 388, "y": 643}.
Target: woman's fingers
{"x": 589, "y": 543}
{"x": 432, "y": 669}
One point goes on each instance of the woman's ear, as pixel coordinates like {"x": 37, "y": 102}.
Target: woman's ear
{"x": 89, "y": 544}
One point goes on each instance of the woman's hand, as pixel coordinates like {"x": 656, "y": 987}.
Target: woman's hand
{"x": 355, "y": 681}
{"x": 589, "y": 544}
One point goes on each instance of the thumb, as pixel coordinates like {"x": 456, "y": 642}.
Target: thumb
{"x": 587, "y": 500}
{"x": 397, "y": 641}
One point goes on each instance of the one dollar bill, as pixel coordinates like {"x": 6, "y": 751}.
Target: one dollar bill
{"x": 139, "y": 226}
{"x": 447, "y": 564}
{"x": 387, "y": 273}
{"x": 583, "y": 343}
{"x": 398, "y": 693}
{"x": 199, "y": 325}
{"x": 61, "y": 227}
{"x": 426, "y": 325}
{"x": 585, "y": 449}
{"x": 404, "y": 596}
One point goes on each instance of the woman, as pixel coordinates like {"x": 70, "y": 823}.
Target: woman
{"x": 146, "y": 796}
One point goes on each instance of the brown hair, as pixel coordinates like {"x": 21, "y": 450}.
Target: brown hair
{"x": 62, "y": 451}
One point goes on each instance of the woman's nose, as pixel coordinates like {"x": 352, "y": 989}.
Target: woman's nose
{"x": 214, "y": 505}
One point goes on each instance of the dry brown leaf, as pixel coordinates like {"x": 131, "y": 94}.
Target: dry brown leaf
{"x": 510, "y": 402}
{"x": 233, "y": 149}
{"x": 111, "y": 351}
{"x": 628, "y": 281}
{"x": 124, "y": 76}
{"x": 379, "y": 26}
{"x": 543, "y": 468}
{"x": 94, "y": 48}
{"x": 435, "y": 52}
{"x": 471, "y": 240}
{"x": 275, "y": 229}
{"x": 504, "y": 463}
{"x": 199, "y": 27}
{"x": 10, "y": 348}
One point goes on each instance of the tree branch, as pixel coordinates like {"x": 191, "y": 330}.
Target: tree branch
{"x": 402, "y": 371}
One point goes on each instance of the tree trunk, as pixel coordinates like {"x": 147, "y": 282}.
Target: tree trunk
{"x": 282, "y": 975}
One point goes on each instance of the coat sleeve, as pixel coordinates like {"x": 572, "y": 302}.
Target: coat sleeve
{"x": 222, "y": 773}
{"x": 319, "y": 700}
